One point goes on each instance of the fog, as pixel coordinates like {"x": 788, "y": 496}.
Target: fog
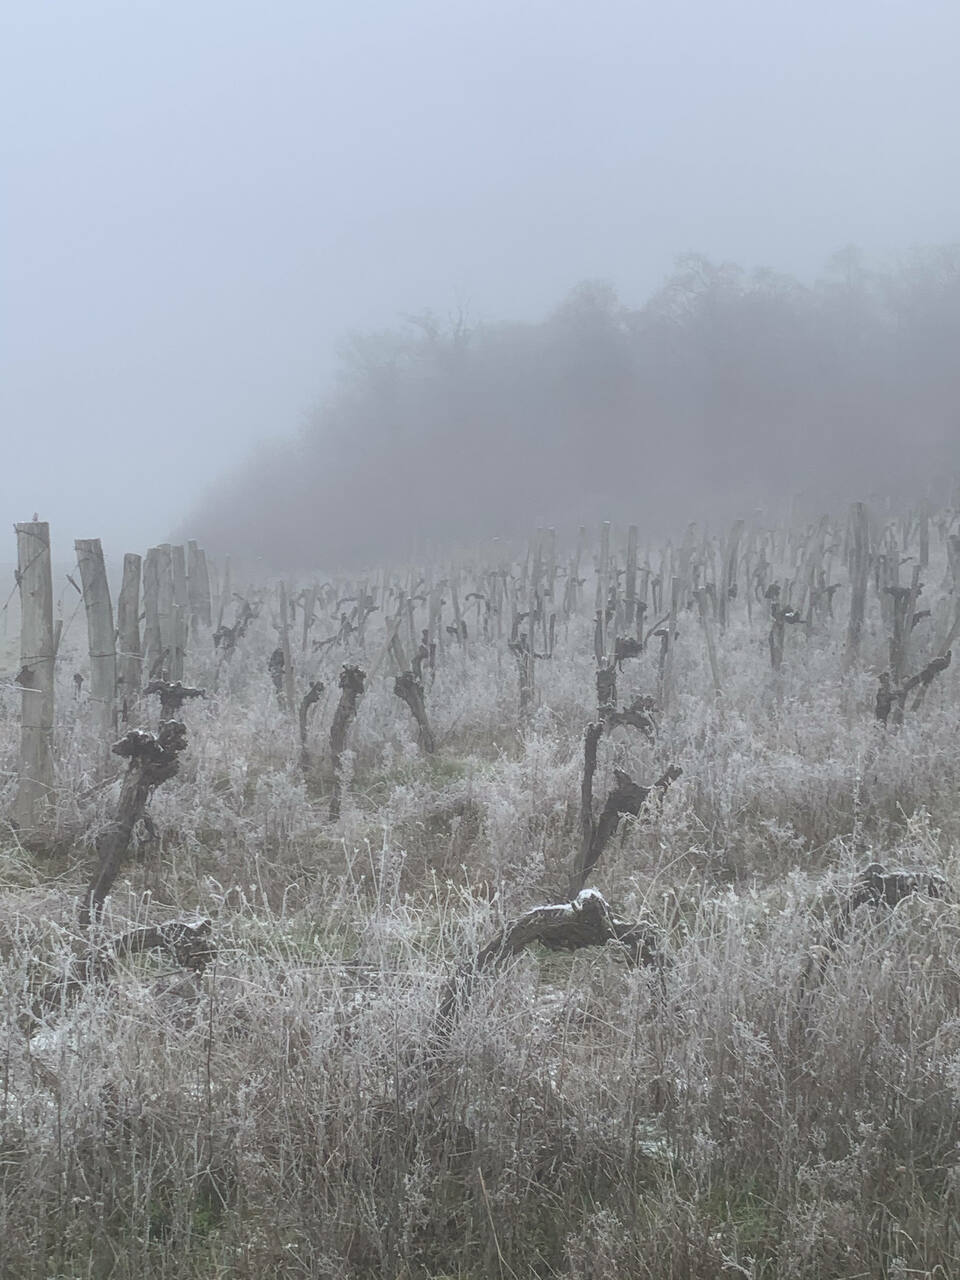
{"x": 204, "y": 202}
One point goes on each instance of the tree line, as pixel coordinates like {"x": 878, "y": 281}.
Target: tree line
{"x": 725, "y": 390}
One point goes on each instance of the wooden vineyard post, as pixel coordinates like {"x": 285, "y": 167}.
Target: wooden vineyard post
{"x": 178, "y": 566}
{"x": 889, "y": 577}
{"x": 529, "y": 680}
{"x": 550, "y": 580}
{"x": 165, "y": 608}
{"x": 811, "y": 562}
{"x": 434, "y": 619}
{"x": 904, "y": 603}
{"x": 409, "y": 611}
{"x": 859, "y": 561}
{"x": 128, "y": 636}
{"x": 101, "y": 637}
{"x": 534, "y": 596}
{"x": 602, "y": 591}
{"x": 225, "y": 590}
{"x": 35, "y": 785}
{"x": 152, "y": 643}
{"x": 411, "y": 624}
{"x": 748, "y": 577}
{"x": 198, "y": 587}
{"x": 728, "y": 586}
{"x": 193, "y": 584}
{"x": 213, "y": 578}
{"x": 457, "y": 615}
{"x": 587, "y": 822}
{"x": 948, "y": 615}
{"x": 308, "y": 609}
{"x": 288, "y": 685}
{"x": 684, "y": 565}
{"x": 662, "y": 578}
{"x": 953, "y": 562}
{"x": 180, "y": 612}
{"x": 528, "y": 675}
{"x": 206, "y": 603}
{"x": 572, "y": 595}
{"x": 631, "y": 583}
{"x": 707, "y": 624}
{"x": 666, "y": 675}
{"x": 501, "y": 598}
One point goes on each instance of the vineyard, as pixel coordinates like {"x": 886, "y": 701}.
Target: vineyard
{"x": 578, "y": 910}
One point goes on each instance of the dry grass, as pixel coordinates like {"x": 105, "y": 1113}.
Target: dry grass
{"x": 292, "y": 1114}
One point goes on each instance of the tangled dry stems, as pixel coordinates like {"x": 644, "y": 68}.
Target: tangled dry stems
{"x": 287, "y": 1113}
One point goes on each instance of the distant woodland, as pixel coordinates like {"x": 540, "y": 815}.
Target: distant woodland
{"x": 724, "y": 392}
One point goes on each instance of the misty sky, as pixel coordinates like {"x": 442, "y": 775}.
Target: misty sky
{"x": 200, "y": 198}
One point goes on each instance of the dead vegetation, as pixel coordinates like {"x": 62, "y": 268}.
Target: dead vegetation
{"x": 327, "y": 1013}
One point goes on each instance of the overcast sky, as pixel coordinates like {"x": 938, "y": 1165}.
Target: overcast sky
{"x": 201, "y": 196}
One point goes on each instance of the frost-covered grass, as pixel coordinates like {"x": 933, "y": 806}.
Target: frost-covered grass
{"x": 294, "y": 1113}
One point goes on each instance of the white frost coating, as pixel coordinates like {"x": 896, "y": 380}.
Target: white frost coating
{"x": 579, "y": 902}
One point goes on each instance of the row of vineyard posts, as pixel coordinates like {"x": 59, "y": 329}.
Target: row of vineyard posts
{"x": 168, "y": 592}
{"x": 788, "y": 581}
{"x": 169, "y": 603}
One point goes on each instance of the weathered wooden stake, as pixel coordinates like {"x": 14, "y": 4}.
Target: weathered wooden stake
{"x": 727, "y": 588}
{"x": 631, "y": 583}
{"x": 37, "y": 650}
{"x": 180, "y": 611}
{"x": 859, "y": 561}
{"x": 206, "y": 602}
{"x": 591, "y": 741}
{"x": 101, "y": 638}
{"x": 168, "y": 635}
{"x": 706, "y": 622}
{"x": 667, "y": 655}
{"x": 309, "y": 606}
{"x": 904, "y": 603}
{"x": 457, "y": 615}
{"x": 153, "y": 655}
{"x": 309, "y": 699}
{"x": 550, "y": 570}
{"x": 603, "y": 590}
{"x": 198, "y": 587}
{"x": 128, "y": 636}
{"x": 289, "y": 692}
{"x": 226, "y": 590}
